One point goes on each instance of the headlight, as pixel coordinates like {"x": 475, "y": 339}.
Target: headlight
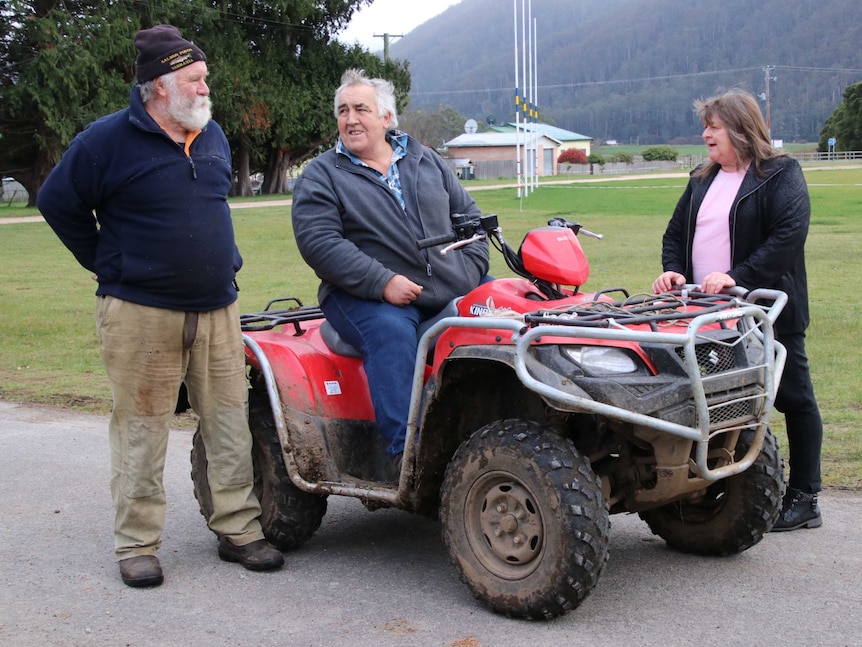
{"x": 601, "y": 360}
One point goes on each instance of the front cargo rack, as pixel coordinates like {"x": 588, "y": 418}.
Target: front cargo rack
{"x": 655, "y": 310}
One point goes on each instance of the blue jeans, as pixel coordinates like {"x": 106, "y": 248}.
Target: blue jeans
{"x": 386, "y": 336}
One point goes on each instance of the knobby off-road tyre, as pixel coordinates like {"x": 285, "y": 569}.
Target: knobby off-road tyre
{"x": 289, "y": 516}
{"x": 524, "y": 520}
{"x": 733, "y": 514}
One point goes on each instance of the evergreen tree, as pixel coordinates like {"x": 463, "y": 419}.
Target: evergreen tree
{"x": 273, "y": 69}
{"x": 61, "y": 69}
{"x": 845, "y": 124}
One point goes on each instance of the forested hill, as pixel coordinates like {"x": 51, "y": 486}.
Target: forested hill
{"x": 630, "y": 69}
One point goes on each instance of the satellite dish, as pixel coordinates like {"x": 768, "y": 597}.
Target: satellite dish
{"x": 470, "y": 126}
{"x": 490, "y": 120}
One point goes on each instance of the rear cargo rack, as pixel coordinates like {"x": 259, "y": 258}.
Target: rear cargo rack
{"x": 268, "y": 319}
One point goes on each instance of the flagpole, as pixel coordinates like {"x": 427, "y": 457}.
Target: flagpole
{"x": 526, "y": 95}
{"x": 517, "y": 105}
{"x": 535, "y": 101}
{"x": 529, "y": 73}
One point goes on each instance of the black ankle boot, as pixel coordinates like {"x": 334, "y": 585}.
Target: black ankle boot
{"x": 798, "y": 510}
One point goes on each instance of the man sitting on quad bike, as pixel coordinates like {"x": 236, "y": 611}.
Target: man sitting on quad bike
{"x": 358, "y": 210}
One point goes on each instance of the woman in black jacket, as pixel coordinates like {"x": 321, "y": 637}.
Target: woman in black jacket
{"x": 743, "y": 220}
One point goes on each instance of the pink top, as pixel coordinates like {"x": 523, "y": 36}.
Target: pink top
{"x": 710, "y": 251}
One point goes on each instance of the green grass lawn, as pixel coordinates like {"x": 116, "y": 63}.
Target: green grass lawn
{"x": 688, "y": 149}
{"x": 49, "y": 353}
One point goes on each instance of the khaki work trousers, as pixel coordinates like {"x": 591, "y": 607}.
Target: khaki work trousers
{"x": 147, "y": 353}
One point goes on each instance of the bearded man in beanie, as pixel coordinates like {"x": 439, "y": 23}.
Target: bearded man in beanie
{"x": 140, "y": 199}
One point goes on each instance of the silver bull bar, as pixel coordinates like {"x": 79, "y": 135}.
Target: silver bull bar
{"x": 755, "y": 320}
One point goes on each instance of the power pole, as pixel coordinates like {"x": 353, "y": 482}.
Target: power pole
{"x": 386, "y": 38}
{"x": 766, "y": 70}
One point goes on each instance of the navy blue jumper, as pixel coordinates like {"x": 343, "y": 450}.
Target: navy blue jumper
{"x": 151, "y": 221}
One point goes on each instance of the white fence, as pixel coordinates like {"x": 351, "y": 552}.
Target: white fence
{"x": 505, "y": 169}
{"x": 683, "y": 163}
{"x": 841, "y": 156}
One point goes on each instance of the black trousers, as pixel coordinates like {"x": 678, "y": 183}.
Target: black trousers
{"x": 804, "y": 426}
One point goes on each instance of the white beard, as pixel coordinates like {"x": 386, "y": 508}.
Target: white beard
{"x": 192, "y": 113}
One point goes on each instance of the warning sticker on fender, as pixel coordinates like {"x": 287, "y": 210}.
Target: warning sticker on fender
{"x": 332, "y": 387}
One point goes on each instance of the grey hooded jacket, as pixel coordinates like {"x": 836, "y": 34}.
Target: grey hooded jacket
{"x": 351, "y": 230}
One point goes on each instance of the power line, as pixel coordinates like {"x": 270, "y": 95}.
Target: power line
{"x": 646, "y": 79}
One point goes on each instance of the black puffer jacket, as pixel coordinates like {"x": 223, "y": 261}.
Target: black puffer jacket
{"x": 768, "y": 227}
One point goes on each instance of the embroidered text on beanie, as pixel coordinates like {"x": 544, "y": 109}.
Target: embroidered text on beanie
{"x": 161, "y": 49}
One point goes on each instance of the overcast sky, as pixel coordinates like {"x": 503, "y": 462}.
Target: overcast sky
{"x": 390, "y": 17}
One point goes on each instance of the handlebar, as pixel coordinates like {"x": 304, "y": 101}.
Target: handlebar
{"x": 463, "y": 243}
{"x": 465, "y": 230}
{"x": 433, "y": 241}
{"x": 468, "y": 229}
{"x": 587, "y": 232}
{"x": 574, "y": 226}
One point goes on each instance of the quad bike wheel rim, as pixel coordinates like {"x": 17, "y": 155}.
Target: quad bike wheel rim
{"x": 504, "y": 525}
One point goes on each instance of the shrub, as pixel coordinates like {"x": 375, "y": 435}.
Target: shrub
{"x": 659, "y": 154}
{"x": 572, "y": 156}
{"x": 624, "y": 158}
{"x": 595, "y": 158}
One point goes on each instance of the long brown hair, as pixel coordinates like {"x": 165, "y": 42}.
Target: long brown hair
{"x": 740, "y": 114}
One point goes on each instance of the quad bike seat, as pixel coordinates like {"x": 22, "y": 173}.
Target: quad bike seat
{"x": 339, "y": 346}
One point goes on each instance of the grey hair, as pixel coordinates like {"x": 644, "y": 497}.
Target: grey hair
{"x": 383, "y": 90}
{"x": 148, "y": 88}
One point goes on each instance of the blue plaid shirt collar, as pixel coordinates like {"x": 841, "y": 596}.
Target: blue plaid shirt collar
{"x": 398, "y": 141}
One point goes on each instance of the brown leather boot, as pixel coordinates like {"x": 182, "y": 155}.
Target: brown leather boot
{"x": 256, "y": 556}
{"x": 141, "y": 571}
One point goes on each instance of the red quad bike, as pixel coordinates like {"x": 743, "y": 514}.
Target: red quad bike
{"x": 537, "y": 411}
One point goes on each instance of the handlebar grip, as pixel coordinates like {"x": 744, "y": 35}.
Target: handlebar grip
{"x": 433, "y": 241}
{"x": 587, "y": 232}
